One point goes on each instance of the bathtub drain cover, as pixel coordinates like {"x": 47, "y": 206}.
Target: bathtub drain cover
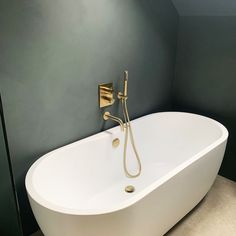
{"x": 129, "y": 189}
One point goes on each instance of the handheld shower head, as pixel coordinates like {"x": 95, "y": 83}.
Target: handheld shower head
{"x": 123, "y": 96}
{"x": 126, "y": 75}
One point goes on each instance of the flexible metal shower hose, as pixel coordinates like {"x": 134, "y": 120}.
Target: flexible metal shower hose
{"x": 128, "y": 130}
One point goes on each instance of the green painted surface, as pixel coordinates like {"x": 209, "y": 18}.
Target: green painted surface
{"x": 9, "y": 225}
{"x": 55, "y": 53}
{"x": 206, "y": 75}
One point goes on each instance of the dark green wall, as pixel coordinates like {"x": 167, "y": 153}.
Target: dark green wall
{"x": 206, "y": 75}
{"x": 55, "y": 53}
{"x": 9, "y": 225}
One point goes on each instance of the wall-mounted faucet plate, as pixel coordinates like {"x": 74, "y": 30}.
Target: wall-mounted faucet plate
{"x": 105, "y": 95}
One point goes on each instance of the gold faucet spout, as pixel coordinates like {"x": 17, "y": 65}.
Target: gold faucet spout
{"x": 107, "y": 116}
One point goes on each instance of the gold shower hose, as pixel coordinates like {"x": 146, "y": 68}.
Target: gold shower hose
{"x": 128, "y": 130}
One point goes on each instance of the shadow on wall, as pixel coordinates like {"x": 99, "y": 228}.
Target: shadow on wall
{"x": 9, "y": 217}
{"x": 205, "y": 75}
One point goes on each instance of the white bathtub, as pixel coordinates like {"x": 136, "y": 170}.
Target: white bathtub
{"x": 78, "y": 190}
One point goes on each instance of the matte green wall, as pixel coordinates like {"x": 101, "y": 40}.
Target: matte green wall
{"x": 205, "y": 80}
{"x": 9, "y": 224}
{"x": 55, "y": 53}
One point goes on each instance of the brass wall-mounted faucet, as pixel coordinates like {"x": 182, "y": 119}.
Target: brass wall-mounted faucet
{"x": 107, "y": 116}
{"x": 105, "y": 92}
{"x": 106, "y": 98}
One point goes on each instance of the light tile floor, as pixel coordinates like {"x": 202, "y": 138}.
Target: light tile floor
{"x": 214, "y": 216}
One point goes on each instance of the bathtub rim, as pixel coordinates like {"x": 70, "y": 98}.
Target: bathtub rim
{"x": 35, "y": 196}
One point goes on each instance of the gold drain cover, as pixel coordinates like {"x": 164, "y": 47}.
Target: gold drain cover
{"x": 115, "y": 142}
{"x": 129, "y": 189}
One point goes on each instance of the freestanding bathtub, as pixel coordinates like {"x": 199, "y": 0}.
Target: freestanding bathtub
{"x": 78, "y": 190}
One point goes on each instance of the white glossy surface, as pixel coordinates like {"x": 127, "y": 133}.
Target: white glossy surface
{"x": 79, "y": 189}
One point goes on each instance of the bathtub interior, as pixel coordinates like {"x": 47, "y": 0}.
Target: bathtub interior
{"x": 88, "y": 175}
